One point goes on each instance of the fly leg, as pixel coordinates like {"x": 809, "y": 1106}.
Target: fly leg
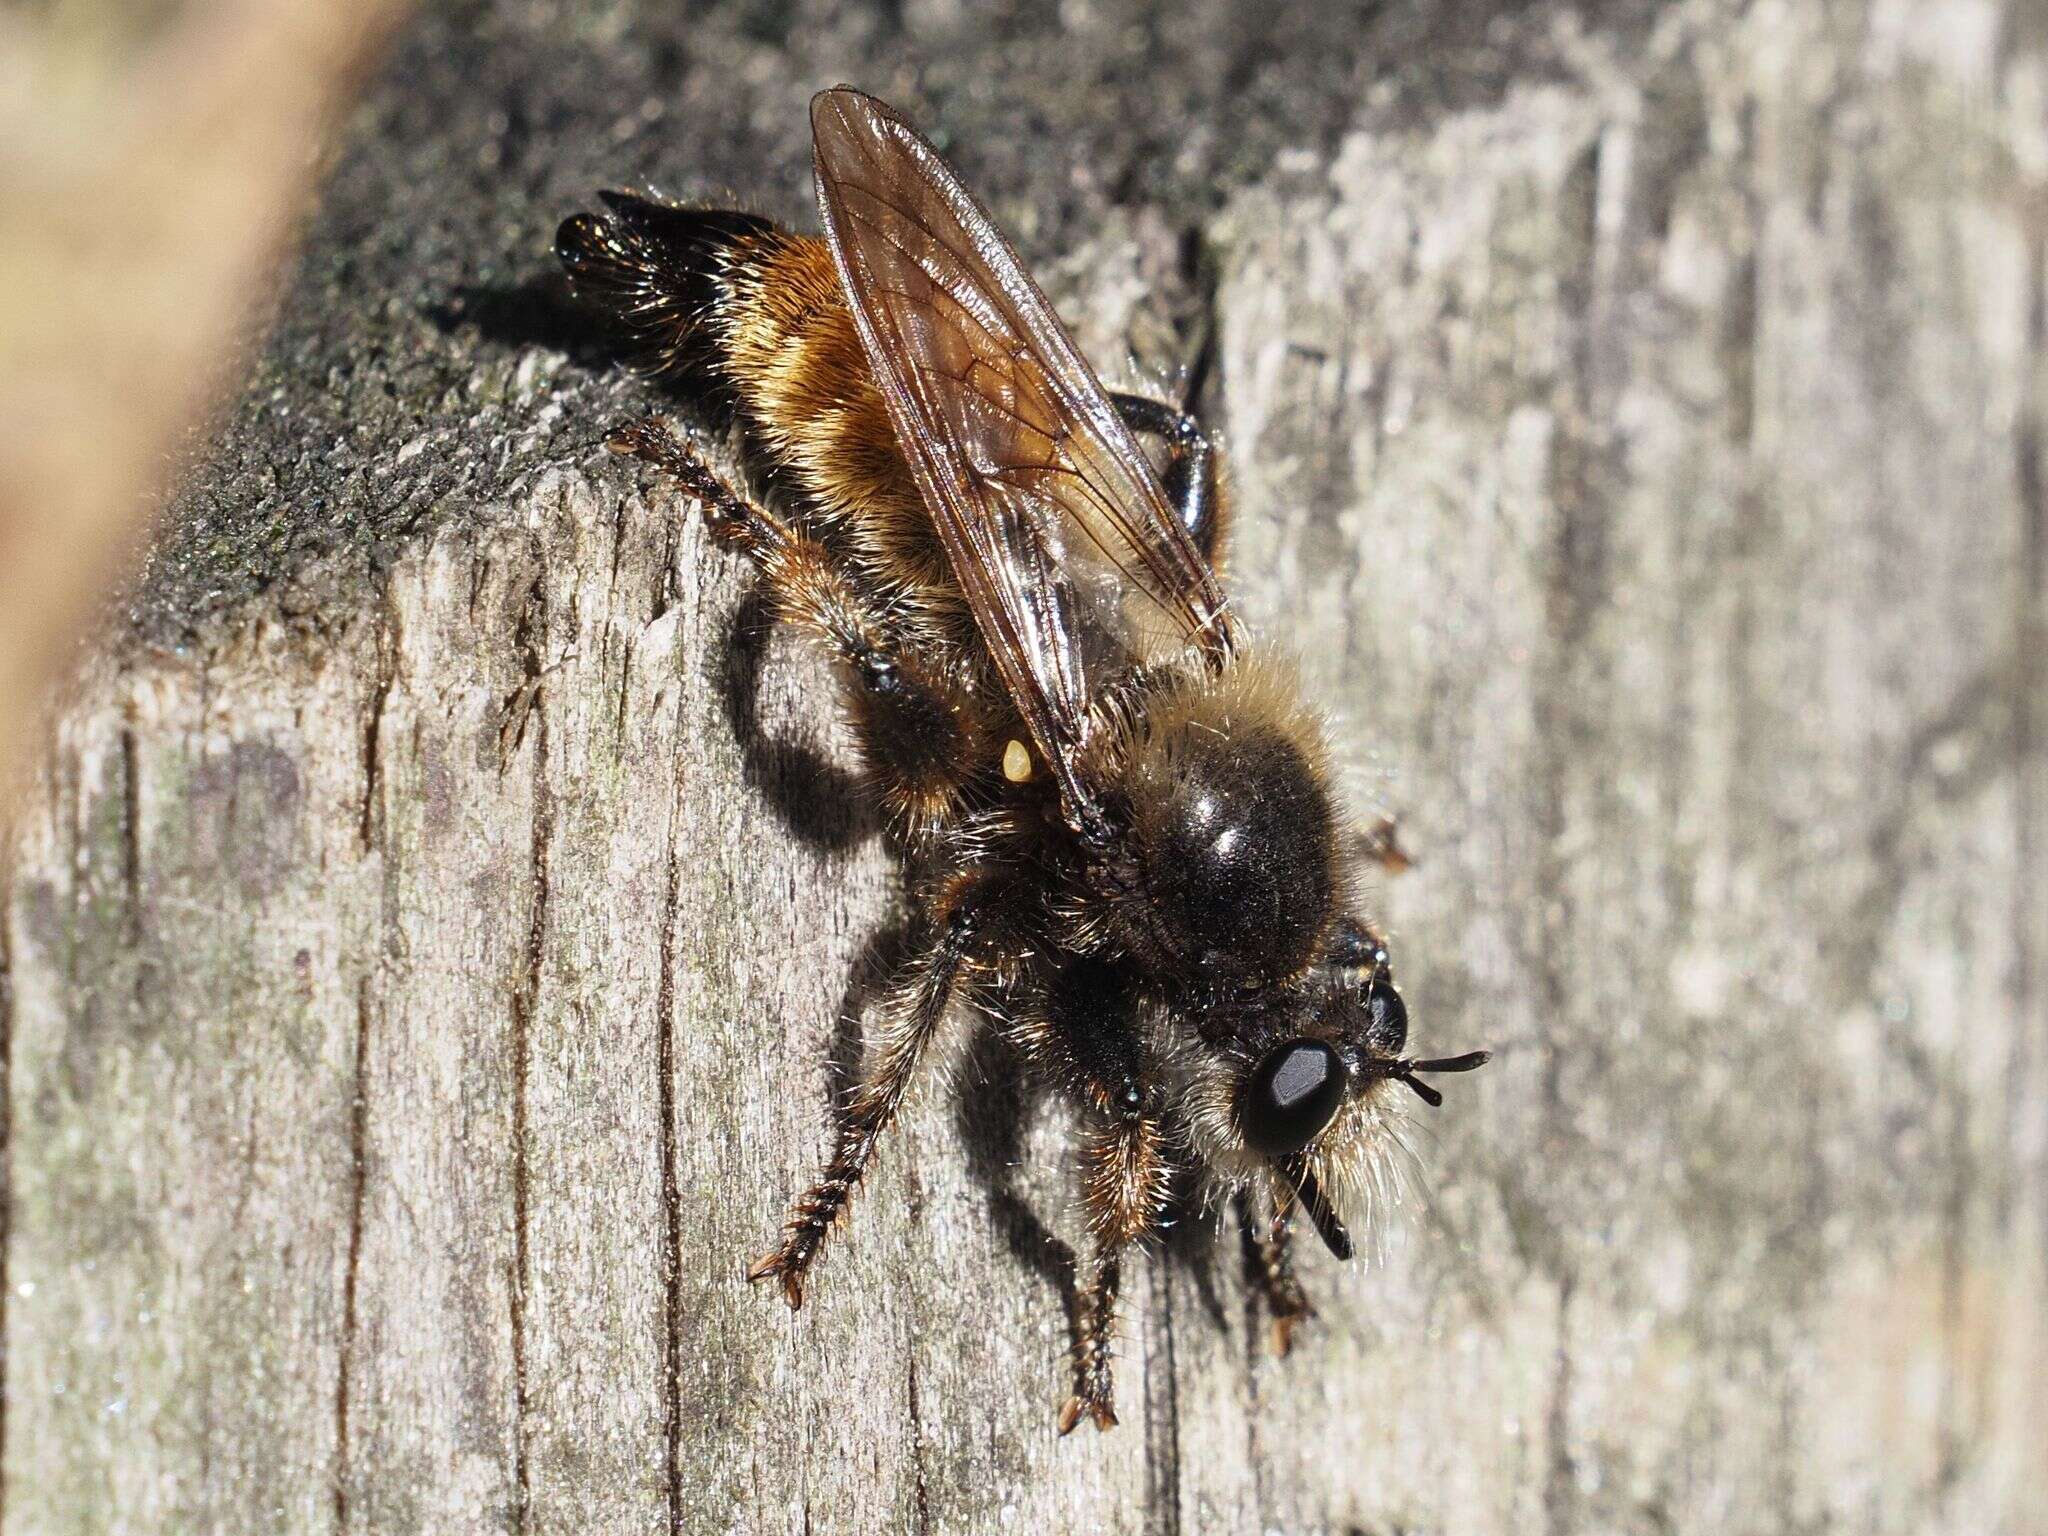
{"x": 1081, "y": 1032}
{"x": 1193, "y": 478}
{"x": 923, "y": 738}
{"x": 1124, "y": 1173}
{"x": 1382, "y": 844}
{"x": 1269, "y": 1257}
{"x": 910, "y": 1019}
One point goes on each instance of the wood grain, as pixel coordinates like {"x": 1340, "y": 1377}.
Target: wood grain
{"x": 421, "y": 991}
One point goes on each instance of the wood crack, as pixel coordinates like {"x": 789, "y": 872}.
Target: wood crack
{"x": 1162, "y": 1407}
{"x": 671, "y": 1199}
{"x": 131, "y": 829}
{"x": 2030, "y": 688}
{"x": 358, "y": 1139}
{"x": 6, "y": 1150}
{"x": 373, "y": 730}
{"x": 1560, "y": 1483}
{"x": 531, "y": 639}
{"x": 917, "y": 1448}
{"x": 1576, "y": 586}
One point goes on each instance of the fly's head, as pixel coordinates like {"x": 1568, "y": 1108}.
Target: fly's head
{"x": 1302, "y": 1088}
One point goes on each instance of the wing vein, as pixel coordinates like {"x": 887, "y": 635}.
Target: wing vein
{"x": 1051, "y": 517}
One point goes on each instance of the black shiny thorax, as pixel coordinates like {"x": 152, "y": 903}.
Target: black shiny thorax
{"x": 1232, "y": 840}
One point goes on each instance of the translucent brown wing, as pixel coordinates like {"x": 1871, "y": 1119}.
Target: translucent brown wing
{"x": 1058, "y": 529}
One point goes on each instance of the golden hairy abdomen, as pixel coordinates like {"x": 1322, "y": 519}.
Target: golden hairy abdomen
{"x": 786, "y": 341}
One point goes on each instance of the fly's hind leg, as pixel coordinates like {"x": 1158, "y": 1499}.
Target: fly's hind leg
{"x": 1194, "y": 479}
{"x": 922, "y": 738}
{"x": 1269, "y": 1258}
{"x": 910, "y": 1019}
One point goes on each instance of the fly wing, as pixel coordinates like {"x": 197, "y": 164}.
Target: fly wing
{"x": 1059, "y": 532}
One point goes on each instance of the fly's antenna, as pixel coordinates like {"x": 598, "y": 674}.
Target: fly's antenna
{"x": 1405, "y": 1069}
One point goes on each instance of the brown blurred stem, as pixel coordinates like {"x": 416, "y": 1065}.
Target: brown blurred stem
{"x": 151, "y": 172}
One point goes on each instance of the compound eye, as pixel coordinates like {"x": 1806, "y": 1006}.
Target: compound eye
{"x": 1290, "y": 1096}
{"x": 1388, "y": 1032}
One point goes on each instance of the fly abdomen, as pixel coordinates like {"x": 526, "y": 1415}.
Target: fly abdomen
{"x": 657, "y": 272}
{"x": 761, "y": 310}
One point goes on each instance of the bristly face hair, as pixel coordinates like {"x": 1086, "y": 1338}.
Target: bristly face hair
{"x": 1114, "y": 808}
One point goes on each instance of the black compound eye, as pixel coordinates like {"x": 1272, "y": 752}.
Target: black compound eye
{"x": 1290, "y": 1096}
{"x": 1389, "y": 1030}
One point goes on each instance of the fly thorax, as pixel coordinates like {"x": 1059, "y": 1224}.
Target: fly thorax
{"x": 1232, "y": 834}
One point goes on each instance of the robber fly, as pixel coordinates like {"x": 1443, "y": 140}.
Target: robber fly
{"x": 1113, "y": 805}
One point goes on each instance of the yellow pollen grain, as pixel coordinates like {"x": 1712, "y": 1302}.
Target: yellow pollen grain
{"x": 1017, "y": 762}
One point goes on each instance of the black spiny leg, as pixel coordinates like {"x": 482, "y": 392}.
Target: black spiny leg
{"x": 1270, "y": 1258}
{"x": 1192, "y": 482}
{"x": 1094, "y": 1344}
{"x": 910, "y": 1018}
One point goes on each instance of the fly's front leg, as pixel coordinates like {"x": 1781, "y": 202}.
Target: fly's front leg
{"x": 1193, "y": 479}
{"x": 1125, "y": 1173}
{"x": 910, "y": 1019}
{"x": 1269, "y": 1256}
{"x": 1382, "y": 844}
{"x": 1080, "y": 1030}
{"x": 1094, "y": 1391}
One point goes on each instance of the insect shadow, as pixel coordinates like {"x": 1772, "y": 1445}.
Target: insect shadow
{"x": 824, "y": 804}
{"x": 814, "y": 798}
{"x": 992, "y": 1108}
{"x": 537, "y": 311}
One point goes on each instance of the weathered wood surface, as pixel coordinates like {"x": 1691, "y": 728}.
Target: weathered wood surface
{"x": 419, "y": 979}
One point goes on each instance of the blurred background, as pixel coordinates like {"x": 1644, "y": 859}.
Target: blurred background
{"x": 155, "y": 160}
{"x": 428, "y": 897}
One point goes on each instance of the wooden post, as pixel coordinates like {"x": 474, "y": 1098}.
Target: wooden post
{"x": 427, "y": 927}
